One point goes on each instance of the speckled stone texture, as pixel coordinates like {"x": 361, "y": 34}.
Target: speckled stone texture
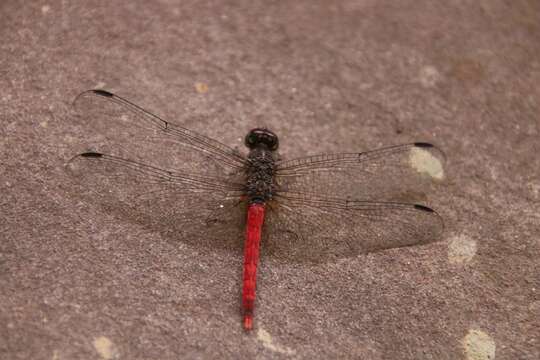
{"x": 327, "y": 76}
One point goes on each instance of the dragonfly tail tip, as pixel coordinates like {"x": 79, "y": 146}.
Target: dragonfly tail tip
{"x": 248, "y": 322}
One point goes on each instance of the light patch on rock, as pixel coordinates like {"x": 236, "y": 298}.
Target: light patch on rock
{"x": 105, "y": 348}
{"x": 425, "y": 162}
{"x": 534, "y": 187}
{"x": 55, "y": 355}
{"x": 44, "y": 124}
{"x": 461, "y": 250}
{"x": 45, "y": 9}
{"x": 429, "y": 76}
{"x": 478, "y": 345}
{"x": 535, "y": 306}
{"x": 201, "y": 88}
{"x": 266, "y": 339}
{"x": 69, "y": 139}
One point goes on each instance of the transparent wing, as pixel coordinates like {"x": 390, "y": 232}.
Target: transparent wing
{"x": 306, "y": 228}
{"x": 398, "y": 173}
{"x": 119, "y": 126}
{"x": 202, "y": 210}
{"x": 160, "y": 175}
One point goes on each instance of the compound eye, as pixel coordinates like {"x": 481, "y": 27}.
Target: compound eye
{"x": 250, "y": 140}
{"x": 273, "y": 143}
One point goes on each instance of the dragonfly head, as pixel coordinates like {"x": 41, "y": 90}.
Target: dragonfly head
{"x": 262, "y": 137}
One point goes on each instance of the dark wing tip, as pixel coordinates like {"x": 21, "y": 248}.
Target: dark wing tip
{"x": 431, "y": 211}
{"x": 91, "y": 154}
{"x": 423, "y": 145}
{"x": 98, "y": 92}
{"x": 423, "y": 208}
{"x": 88, "y": 154}
{"x": 426, "y": 145}
{"x": 102, "y": 93}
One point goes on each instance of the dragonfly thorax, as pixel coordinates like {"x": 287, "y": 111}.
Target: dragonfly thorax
{"x": 260, "y": 175}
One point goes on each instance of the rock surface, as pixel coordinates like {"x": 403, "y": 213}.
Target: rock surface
{"x": 77, "y": 283}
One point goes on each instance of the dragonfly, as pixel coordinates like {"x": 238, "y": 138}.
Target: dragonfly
{"x": 309, "y": 209}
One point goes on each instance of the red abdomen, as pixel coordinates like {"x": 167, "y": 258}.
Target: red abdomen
{"x": 255, "y": 219}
